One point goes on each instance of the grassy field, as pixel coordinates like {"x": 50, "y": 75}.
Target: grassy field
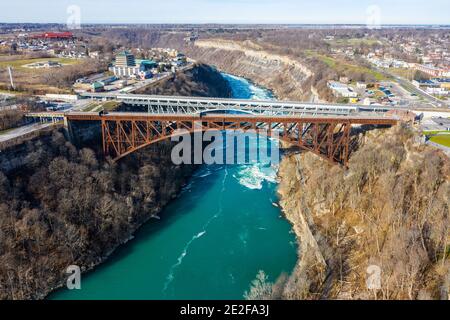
{"x": 430, "y": 133}
{"x": 91, "y": 107}
{"x": 405, "y": 73}
{"x": 436, "y": 137}
{"x": 353, "y": 41}
{"x": 32, "y": 80}
{"x": 344, "y": 66}
{"x": 443, "y": 139}
{"x": 19, "y": 64}
{"x": 110, "y": 105}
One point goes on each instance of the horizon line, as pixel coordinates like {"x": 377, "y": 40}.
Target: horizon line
{"x": 234, "y": 23}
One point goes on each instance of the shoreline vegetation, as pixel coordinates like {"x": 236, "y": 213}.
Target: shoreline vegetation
{"x": 62, "y": 206}
{"x": 388, "y": 210}
{"x": 336, "y": 239}
{"x": 65, "y": 206}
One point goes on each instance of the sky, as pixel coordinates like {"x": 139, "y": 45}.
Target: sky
{"x": 228, "y": 11}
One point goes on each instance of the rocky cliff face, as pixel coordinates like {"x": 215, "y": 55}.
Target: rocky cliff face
{"x": 62, "y": 206}
{"x": 386, "y": 218}
{"x": 286, "y": 77}
{"x": 201, "y": 81}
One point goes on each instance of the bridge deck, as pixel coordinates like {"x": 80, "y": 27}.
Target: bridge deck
{"x": 323, "y": 129}
{"x": 326, "y": 135}
{"x": 177, "y": 104}
{"x": 158, "y": 98}
{"x": 137, "y": 116}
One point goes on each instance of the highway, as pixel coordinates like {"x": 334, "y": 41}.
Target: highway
{"x": 17, "y": 132}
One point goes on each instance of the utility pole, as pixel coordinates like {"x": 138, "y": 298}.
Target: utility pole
{"x": 11, "y": 77}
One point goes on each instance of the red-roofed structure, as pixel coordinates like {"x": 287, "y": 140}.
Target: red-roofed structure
{"x": 53, "y": 35}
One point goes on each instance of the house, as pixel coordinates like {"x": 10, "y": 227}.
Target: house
{"x": 444, "y": 83}
{"x": 107, "y": 80}
{"x": 437, "y": 91}
{"x": 432, "y": 70}
{"x": 425, "y": 84}
{"x": 144, "y": 74}
{"x": 438, "y": 86}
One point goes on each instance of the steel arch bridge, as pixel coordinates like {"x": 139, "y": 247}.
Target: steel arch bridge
{"x": 195, "y": 105}
{"x": 327, "y": 136}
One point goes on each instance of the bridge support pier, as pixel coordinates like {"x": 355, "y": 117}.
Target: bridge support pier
{"x": 68, "y": 130}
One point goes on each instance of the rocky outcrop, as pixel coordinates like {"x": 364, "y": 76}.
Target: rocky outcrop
{"x": 62, "y": 205}
{"x": 311, "y": 266}
{"x": 200, "y": 81}
{"x": 13, "y": 152}
{"x": 286, "y": 77}
{"x": 388, "y": 212}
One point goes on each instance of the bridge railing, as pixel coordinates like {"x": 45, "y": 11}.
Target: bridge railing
{"x": 187, "y": 104}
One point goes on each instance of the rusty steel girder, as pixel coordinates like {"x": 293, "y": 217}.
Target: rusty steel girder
{"x": 327, "y": 137}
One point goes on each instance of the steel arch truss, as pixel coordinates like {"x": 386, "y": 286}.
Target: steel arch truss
{"x": 328, "y": 138}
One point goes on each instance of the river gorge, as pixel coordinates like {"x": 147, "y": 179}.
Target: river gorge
{"x": 211, "y": 241}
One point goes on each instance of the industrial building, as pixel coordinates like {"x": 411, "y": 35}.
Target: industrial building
{"x": 439, "y": 86}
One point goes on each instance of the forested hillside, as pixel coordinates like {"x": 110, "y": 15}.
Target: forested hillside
{"x": 389, "y": 210}
{"x": 66, "y": 206}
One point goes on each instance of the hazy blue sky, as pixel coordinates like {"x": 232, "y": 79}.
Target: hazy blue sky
{"x": 228, "y": 11}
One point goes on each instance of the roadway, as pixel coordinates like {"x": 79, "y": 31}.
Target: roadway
{"x": 20, "y": 131}
{"x": 142, "y": 116}
{"x": 189, "y": 105}
{"x": 322, "y": 113}
{"x": 433, "y": 101}
{"x": 155, "y": 80}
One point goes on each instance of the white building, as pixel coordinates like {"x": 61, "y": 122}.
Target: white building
{"x": 437, "y": 91}
{"x": 125, "y": 65}
{"x": 342, "y": 90}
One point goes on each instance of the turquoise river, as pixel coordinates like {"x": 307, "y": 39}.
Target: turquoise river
{"x": 210, "y": 242}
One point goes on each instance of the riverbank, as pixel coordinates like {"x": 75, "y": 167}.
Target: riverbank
{"x": 330, "y": 270}
{"x": 69, "y": 207}
{"x": 224, "y": 216}
{"x": 62, "y": 206}
{"x": 387, "y": 212}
